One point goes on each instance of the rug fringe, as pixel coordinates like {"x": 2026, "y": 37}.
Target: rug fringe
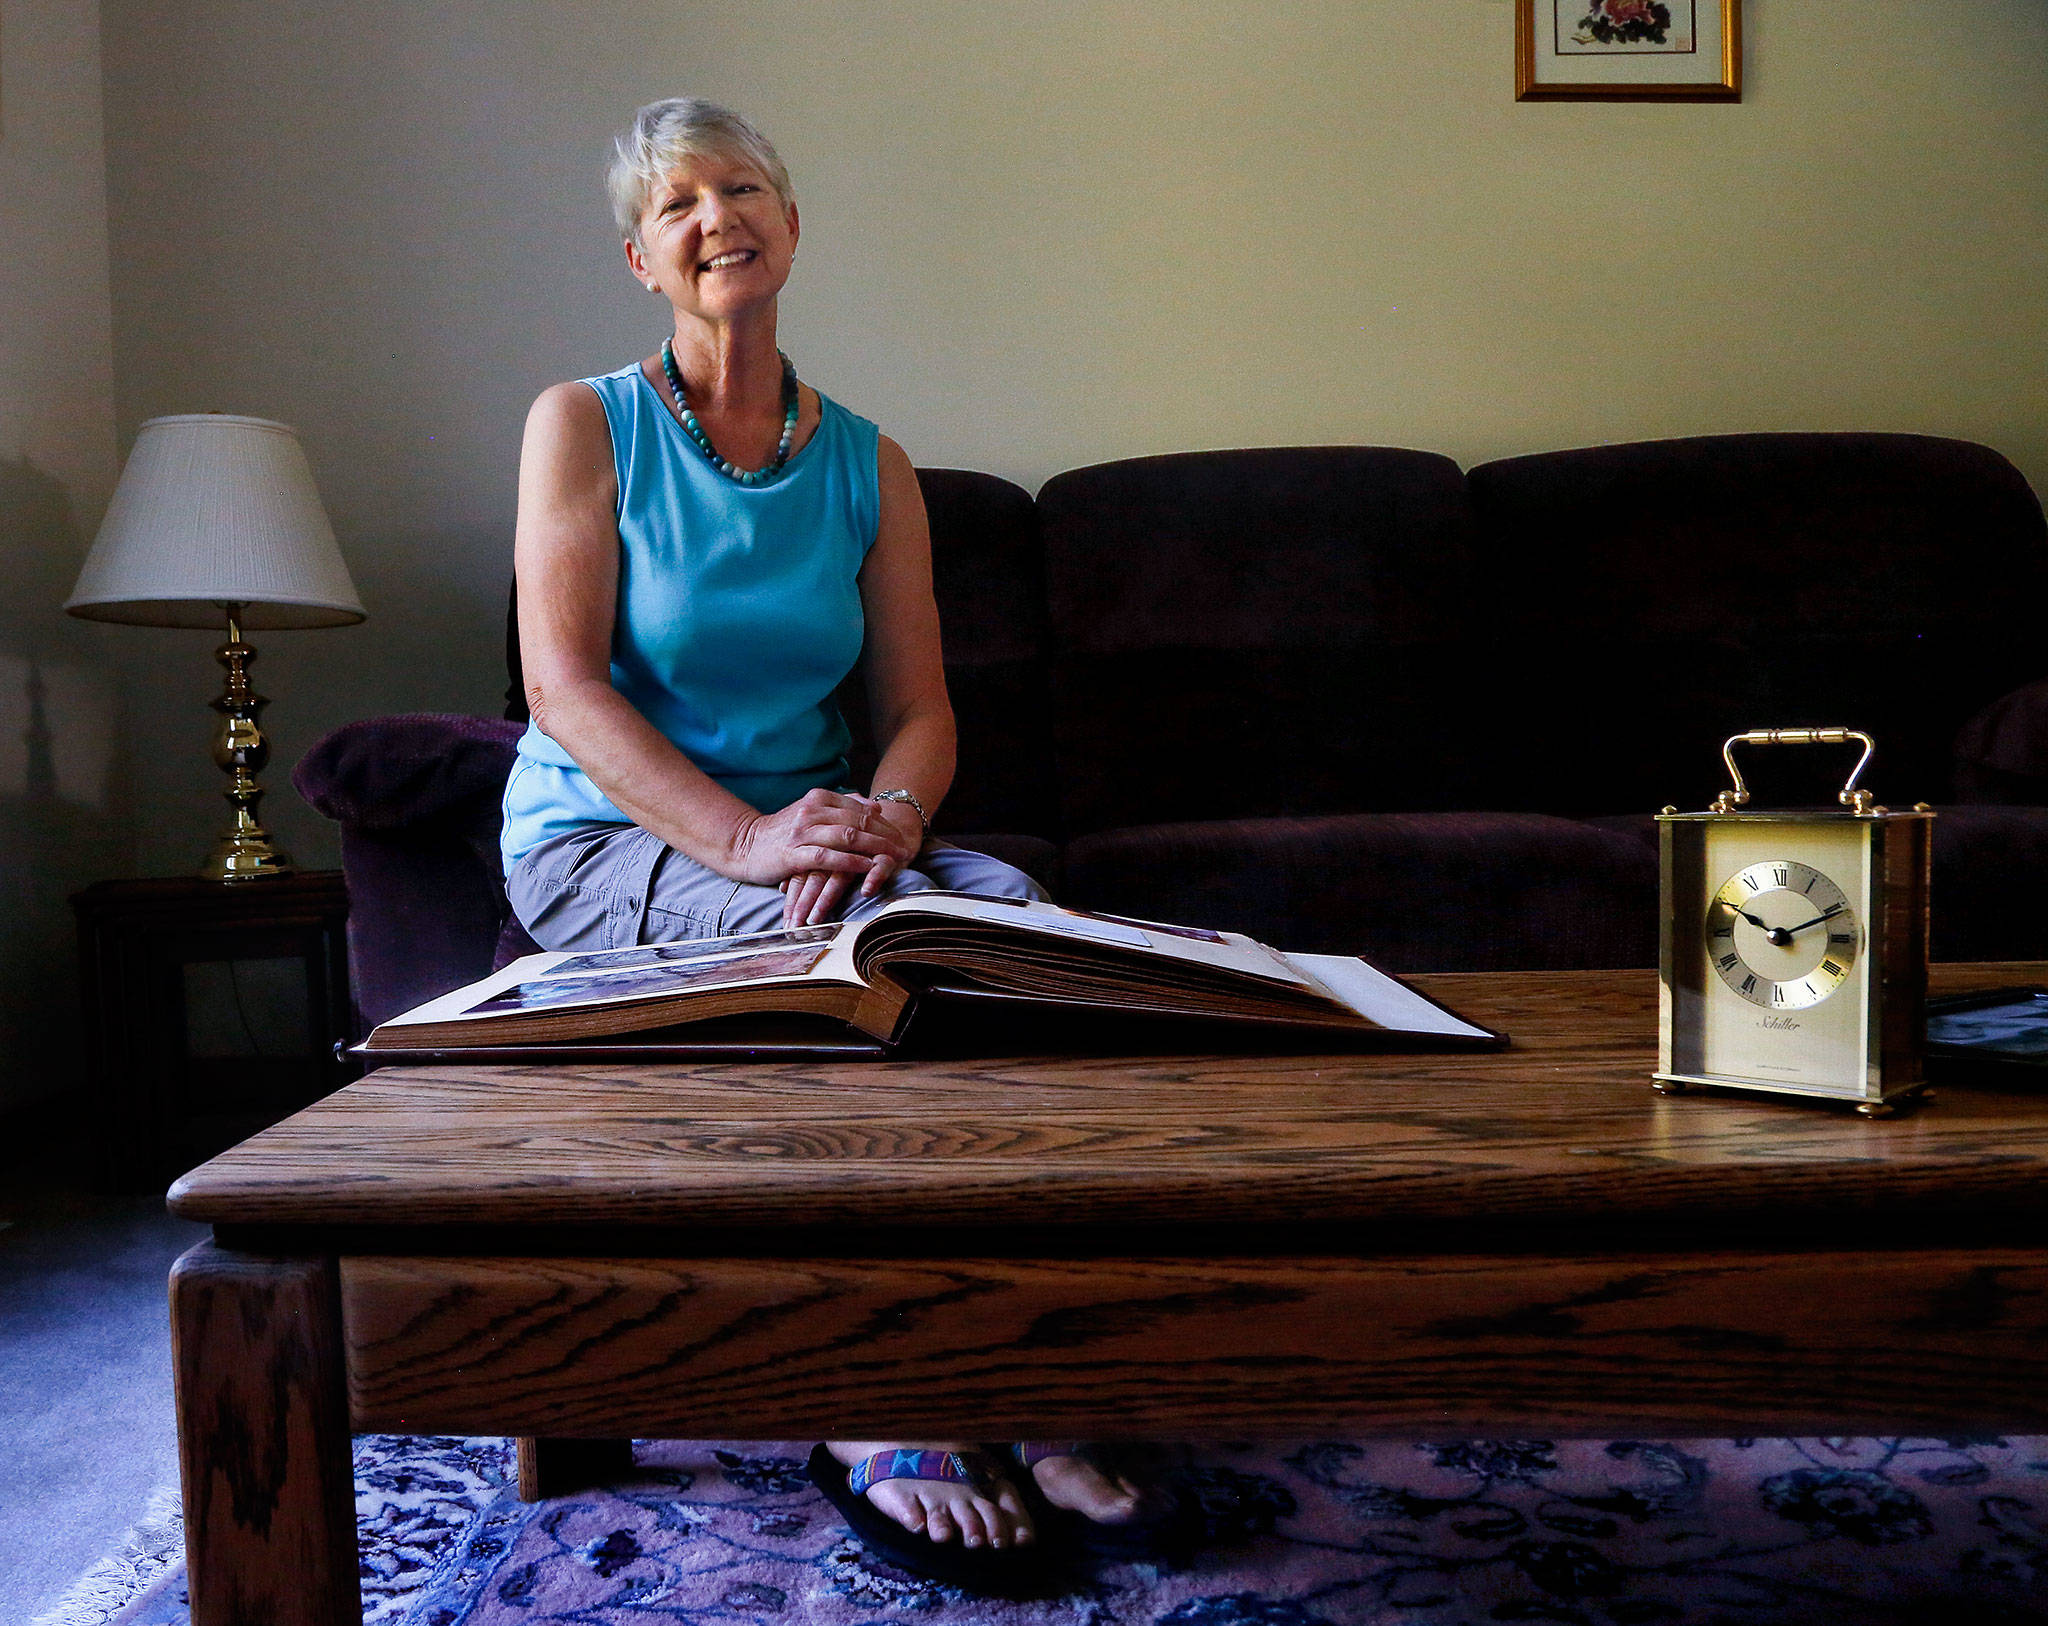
{"x": 155, "y": 1545}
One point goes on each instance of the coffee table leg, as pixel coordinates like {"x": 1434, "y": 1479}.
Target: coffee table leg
{"x": 551, "y": 1467}
{"x": 263, "y": 1440}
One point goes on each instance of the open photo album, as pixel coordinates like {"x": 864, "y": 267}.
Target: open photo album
{"x": 855, "y": 988}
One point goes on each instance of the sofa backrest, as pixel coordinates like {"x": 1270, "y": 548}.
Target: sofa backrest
{"x": 988, "y": 574}
{"x": 1251, "y": 633}
{"x": 1230, "y": 635}
{"x": 1361, "y": 629}
{"x": 1649, "y": 600}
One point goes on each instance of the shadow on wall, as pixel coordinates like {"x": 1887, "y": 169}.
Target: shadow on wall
{"x": 62, "y": 824}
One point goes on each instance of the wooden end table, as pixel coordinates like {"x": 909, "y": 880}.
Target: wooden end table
{"x": 1419, "y": 1246}
{"x": 161, "y": 1106}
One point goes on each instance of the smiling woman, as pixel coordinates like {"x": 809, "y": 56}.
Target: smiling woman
{"x": 706, "y": 549}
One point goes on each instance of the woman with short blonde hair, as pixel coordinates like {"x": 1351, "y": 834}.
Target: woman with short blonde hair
{"x": 706, "y": 548}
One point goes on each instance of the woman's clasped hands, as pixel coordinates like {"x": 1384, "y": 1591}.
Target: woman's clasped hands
{"x": 823, "y": 845}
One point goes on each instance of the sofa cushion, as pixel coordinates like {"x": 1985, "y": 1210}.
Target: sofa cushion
{"x": 1412, "y": 891}
{"x": 1250, "y": 633}
{"x": 1672, "y": 593}
{"x": 1990, "y": 881}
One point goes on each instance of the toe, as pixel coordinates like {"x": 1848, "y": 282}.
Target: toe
{"x": 1001, "y": 1517}
{"x": 939, "y": 1524}
{"x": 900, "y": 1504}
{"x": 1013, "y": 1518}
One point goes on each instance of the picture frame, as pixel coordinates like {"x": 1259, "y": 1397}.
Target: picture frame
{"x": 1628, "y": 50}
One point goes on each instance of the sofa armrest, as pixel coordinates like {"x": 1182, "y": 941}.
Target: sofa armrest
{"x": 2001, "y": 754}
{"x": 417, "y": 798}
{"x": 387, "y": 773}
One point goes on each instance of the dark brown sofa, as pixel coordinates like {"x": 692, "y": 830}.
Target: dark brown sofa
{"x": 1352, "y": 699}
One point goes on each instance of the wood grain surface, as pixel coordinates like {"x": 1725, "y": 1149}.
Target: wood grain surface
{"x": 269, "y": 1492}
{"x": 1782, "y": 1343}
{"x": 1561, "y": 1128}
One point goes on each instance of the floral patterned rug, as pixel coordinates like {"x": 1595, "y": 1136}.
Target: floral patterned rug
{"x": 1612, "y": 1533}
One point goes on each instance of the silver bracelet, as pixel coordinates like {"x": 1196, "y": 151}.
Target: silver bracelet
{"x": 916, "y": 806}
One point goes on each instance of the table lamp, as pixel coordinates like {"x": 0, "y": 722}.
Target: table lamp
{"x": 216, "y": 523}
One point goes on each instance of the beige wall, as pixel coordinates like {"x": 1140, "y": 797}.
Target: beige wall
{"x": 1038, "y": 235}
{"x": 62, "y": 822}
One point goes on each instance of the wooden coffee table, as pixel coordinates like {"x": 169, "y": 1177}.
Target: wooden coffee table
{"x": 1421, "y": 1246}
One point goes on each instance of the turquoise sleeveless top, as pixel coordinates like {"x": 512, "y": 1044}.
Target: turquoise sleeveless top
{"x": 738, "y": 616}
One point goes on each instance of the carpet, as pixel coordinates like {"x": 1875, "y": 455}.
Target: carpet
{"x": 1323, "y": 1533}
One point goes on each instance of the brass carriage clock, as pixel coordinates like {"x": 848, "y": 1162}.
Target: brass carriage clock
{"x": 1793, "y": 951}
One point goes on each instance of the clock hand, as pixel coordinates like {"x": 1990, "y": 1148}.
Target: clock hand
{"x": 1793, "y": 931}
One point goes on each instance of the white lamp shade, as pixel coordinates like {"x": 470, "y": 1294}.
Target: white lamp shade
{"x": 215, "y": 510}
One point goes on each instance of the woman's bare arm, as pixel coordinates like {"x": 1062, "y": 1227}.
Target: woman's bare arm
{"x": 906, "y": 683}
{"x": 906, "y": 679}
{"x": 567, "y": 557}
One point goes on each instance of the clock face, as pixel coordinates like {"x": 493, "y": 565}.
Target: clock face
{"x": 1781, "y": 934}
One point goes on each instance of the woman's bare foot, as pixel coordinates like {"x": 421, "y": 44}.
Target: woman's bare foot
{"x": 941, "y": 1509}
{"x": 1076, "y": 1483}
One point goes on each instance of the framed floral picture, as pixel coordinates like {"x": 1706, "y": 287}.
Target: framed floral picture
{"x": 1628, "y": 50}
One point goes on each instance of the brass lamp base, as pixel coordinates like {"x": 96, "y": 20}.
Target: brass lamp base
{"x": 244, "y": 851}
{"x": 244, "y": 855}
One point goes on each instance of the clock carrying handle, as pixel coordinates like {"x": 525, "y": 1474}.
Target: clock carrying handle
{"x": 1849, "y": 796}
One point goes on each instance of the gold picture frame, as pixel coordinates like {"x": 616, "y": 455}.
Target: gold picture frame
{"x": 1628, "y": 50}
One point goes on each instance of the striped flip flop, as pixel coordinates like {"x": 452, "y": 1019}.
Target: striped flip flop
{"x": 1008, "y": 1572}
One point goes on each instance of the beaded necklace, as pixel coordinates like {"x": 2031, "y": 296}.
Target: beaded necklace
{"x": 695, "y": 430}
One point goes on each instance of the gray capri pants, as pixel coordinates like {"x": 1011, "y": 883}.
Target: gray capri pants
{"x": 615, "y": 885}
